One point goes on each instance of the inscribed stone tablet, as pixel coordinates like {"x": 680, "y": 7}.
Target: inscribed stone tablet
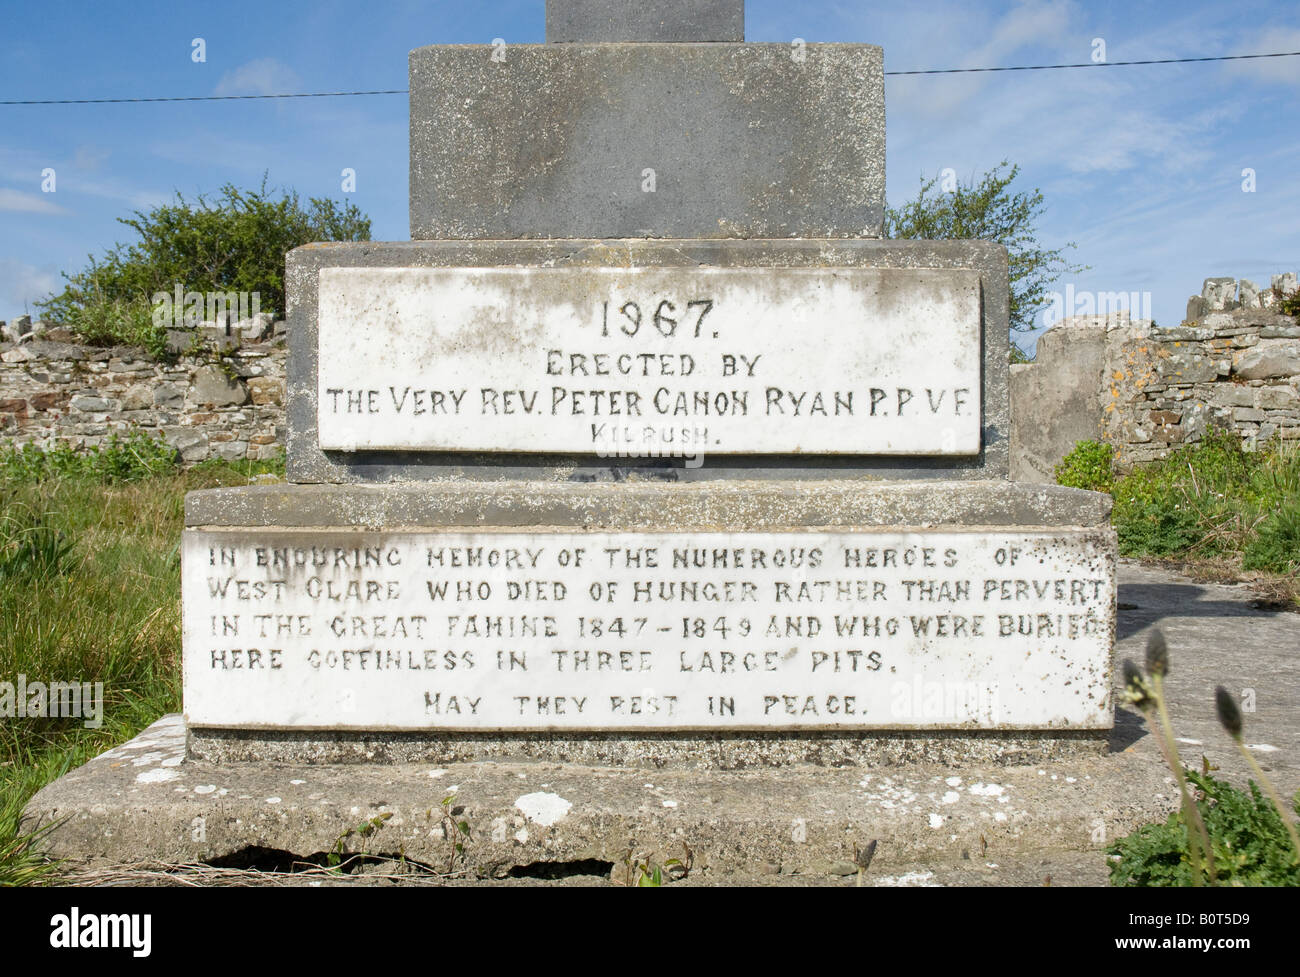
{"x": 650, "y": 361}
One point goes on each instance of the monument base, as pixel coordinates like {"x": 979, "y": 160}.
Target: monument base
{"x": 145, "y": 803}
{"x": 751, "y": 624}
{"x": 672, "y": 750}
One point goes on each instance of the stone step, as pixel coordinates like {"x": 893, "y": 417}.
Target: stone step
{"x": 144, "y": 802}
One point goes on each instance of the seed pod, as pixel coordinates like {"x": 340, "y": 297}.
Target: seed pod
{"x": 1157, "y": 654}
{"x": 1135, "y": 686}
{"x": 1225, "y": 704}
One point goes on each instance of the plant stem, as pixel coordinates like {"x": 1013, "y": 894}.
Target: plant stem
{"x": 1198, "y": 838}
{"x": 1272, "y": 796}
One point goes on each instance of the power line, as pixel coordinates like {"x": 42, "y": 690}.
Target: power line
{"x": 1097, "y": 64}
{"x": 404, "y": 91}
{"x": 199, "y": 98}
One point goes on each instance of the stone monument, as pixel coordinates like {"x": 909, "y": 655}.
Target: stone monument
{"x": 645, "y": 453}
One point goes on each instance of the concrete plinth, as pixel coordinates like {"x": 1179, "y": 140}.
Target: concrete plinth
{"x": 143, "y": 801}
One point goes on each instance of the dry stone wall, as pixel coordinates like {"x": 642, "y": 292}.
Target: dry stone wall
{"x": 208, "y": 403}
{"x": 1233, "y": 364}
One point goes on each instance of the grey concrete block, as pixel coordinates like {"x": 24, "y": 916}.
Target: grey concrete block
{"x": 646, "y": 20}
{"x": 307, "y": 463}
{"x": 733, "y": 506}
{"x": 566, "y": 141}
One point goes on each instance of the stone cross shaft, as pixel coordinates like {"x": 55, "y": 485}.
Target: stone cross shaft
{"x": 644, "y": 20}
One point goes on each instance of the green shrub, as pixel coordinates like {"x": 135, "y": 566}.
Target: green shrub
{"x": 1088, "y": 466}
{"x": 1212, "y": 498}
{"x": 1249, "y": 843}
{"x": 1276, "y": 546}
{"x": 1291, "y": 305}
{"x": 116, "y": 460}
{"x": 104, "y": 321}
{"x": 235, "y": 243}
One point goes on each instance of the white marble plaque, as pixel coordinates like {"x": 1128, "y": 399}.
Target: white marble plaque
{"x": 677, "y": 362}
{"x": 677, "y": 630}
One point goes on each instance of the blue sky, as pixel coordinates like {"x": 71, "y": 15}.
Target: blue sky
{"x": 1141, "y": 167}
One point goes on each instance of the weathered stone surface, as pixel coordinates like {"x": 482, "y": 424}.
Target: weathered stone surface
{"x": 1270, "y": 358}
{"x": 144, "y": 800}
{"x": 1006, "y": 629}
{"x": 168, "y": 395}
{"x": 1279, "y": 398}
{"x": 307, "y": 463}
{"x": 1186, "y": 364}
{"x": 1219, "y": 293}
{"x": 181, "y": 341}
{"x": 221, "y": 338}
{"x": 266, "y": 390}
{"x": 648, "y": 20}
{"x": 1285, "y": 284}
{"x": 91, "y": 405}
{"x": 1281, "y": 330}
{"x": 190, "y": 444}
{"x": 256, "y": 328}
{"x": 1247, "y": 294}
{"x": 1056, "y": 401}
{"x": 650, "y": 362}
{"x": 211, "y": 386}
{"x": 48, "y": 400}
{"x": 646, "y": 505}
{"x": 138, "y": 397}
{"x": 647, "y": 140}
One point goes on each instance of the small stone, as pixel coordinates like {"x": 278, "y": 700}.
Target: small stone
{"x": 168, "y": 395}
{"x": 255, "y": 328}
{"x": 19, "y": 354}
{"x": 48, "y": 400}
{"x": 266, "y": 390}
{"x": 1279, "y": 398}
{"x": 231, "y": 451}
{"x": 1248, "y": 294}
{"x": 1219, "y": 293}
{"x": 221, "y": 338}
{"x": 1195, "y": 308}
{"x": 192, "y": 445}
{"x": 138, "y": 397}
{"x": 49, "y": 350}
{"x": 1271, "y": 358}
{"x": 180, "y": 341}
{"x": 1285, "y": 285}
{"x": 90, "y": 405}
{"x": 843, "y": 868}
{"x": 212, "y": 387}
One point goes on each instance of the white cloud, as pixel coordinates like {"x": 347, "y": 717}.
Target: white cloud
{"x": 21, "y": 285}
{"x": 28, "y": 203}
{"x": 265, "y": 76}
{"x": 88, "y": 157}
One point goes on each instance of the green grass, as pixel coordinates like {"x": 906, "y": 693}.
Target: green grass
{"x": 91, "y": 594}
{"x": 1211, "y": 500}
